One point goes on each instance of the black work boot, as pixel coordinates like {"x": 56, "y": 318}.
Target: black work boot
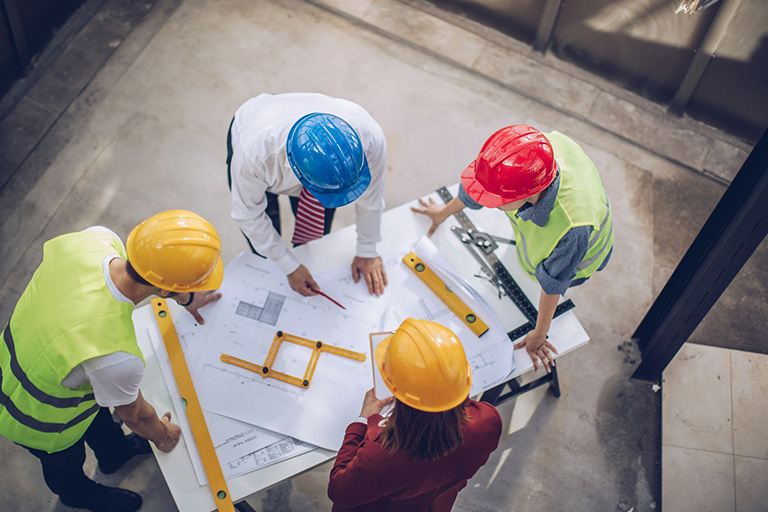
{"x": 136, "y": 445}
{"x": 101, "y": 498}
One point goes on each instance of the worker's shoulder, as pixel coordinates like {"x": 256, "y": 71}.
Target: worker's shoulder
{"x": 482, "y": 415}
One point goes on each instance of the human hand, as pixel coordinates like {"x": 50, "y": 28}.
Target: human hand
{"x": 201, "y": 300}
{"x": 173, "y": 434}
{"x": 301, "y": 281}
{"x": 372, "y": 405}
{"x": 436, "y": 213}
{"x": 372, "y": 270}
{"x": 539, "y": 349}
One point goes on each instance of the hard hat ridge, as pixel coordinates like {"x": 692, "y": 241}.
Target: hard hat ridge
{"x": 327, "y": 156}
{"x": 424, "y": 366}
{"x": 178, "y": 251}
{"x": 514, "y": 163}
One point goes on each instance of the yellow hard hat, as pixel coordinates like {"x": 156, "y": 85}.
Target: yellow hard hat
{"x": 177, "y": 250}
{"x": 424, "y": 365}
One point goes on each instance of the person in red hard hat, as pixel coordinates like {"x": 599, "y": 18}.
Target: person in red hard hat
{"x": 559, "y": 211}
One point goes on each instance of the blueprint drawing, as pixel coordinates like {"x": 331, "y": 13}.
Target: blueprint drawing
{"x": 491, "y": 356}
{"x": 240, "y": 447}
{"x": 257, "y": 302}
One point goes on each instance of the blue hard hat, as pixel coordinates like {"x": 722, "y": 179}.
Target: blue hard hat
{"x": 327, "y": 156}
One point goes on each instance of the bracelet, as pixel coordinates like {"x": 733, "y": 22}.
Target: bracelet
{"x": 191, "y": 298}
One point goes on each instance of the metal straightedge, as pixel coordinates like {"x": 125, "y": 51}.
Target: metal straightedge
{"x": 482, "y": 246}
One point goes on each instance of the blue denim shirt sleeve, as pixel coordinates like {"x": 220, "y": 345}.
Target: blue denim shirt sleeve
{"x": 468, "y": 201}
{"x": 556, "y": 272}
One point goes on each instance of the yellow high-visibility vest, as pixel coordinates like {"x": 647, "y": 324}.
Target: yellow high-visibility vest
{"x": 65, "y": 316}
{"x": 581, "y": 201}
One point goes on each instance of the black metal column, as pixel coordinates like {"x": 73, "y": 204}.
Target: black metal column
{"x": 243, "y": 506}
{"x": 733, "y": 231}
{"x": 17, "y": 32}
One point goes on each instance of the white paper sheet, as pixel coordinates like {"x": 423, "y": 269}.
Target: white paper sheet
{"x": 239, "y": 327}
{"x": 240, "y": 447}
{"x": 257, "y": 302}
{"x": 491, "y": 356}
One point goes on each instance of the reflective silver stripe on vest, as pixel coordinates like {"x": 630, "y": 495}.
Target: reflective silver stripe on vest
{"x": 524, "y": 246}
{"x": 595, "y": 238}
{"x": 34, "y": 391}
{"x": 35, "y": 424}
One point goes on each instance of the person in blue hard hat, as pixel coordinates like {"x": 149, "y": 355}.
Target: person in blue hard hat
{"x": 323, "y": 153}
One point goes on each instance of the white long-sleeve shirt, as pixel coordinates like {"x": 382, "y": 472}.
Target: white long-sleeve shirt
{"x": 260, "y": 164}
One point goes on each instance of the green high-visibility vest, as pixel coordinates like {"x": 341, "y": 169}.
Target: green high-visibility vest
{"x": 65, "y": 316}
{"x": 581, "y": 201}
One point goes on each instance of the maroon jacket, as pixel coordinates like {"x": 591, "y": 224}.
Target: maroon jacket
{"x": 369, "y": 478}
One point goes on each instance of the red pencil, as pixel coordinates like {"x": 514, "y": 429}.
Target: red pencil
{"x": 327, "y": 297}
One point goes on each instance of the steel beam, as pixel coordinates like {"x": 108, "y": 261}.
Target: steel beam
{"x": 737, "y": 225}
{"x": 547, "y": 23}
{"x": 704, "y": 54}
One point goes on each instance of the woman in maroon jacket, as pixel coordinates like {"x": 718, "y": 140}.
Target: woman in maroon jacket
{"x": 435, "y": 439}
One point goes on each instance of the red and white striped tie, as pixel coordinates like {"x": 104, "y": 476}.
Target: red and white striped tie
{"x": 310, "y": 219}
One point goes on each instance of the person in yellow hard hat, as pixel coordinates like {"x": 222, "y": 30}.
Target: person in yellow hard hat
{"x": 435, "y": 439}
{"x": 69, "y": 351}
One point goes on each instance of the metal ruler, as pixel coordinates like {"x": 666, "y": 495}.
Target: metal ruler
{"x": 266, "y": 370}
{"x": 445, "y": 294}
{"x": 482, "y": 246}
{"x": 194, "y": 412}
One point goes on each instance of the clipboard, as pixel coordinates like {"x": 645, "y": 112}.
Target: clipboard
{"x": 379, "y": 388}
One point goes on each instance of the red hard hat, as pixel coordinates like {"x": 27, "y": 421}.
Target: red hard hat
{"x": 516, "y": 162}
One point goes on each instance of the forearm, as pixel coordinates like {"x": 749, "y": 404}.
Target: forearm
{"x": 454, "y": 205}
{"x": 265, "y": 240}
{"x": 368, "y": 225}
{"x": 145, "y": 422}
{"x": 248, "y": 209}
{"x": 547, "y": 307}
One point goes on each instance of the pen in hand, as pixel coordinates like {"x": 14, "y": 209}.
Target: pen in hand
{"x": 327, "y": 297}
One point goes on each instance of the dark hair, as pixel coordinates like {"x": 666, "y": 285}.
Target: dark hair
{"x": 135, "y": 275}
{"x": 423, "y": 435}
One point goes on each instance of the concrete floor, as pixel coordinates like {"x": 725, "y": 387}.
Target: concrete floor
{"x": 130, "y": 118}
{"x": 714, "y": 447}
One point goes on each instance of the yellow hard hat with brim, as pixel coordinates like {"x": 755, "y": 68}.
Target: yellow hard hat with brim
{"x": 177, "y": 250}
{"x": 424, "y": 365}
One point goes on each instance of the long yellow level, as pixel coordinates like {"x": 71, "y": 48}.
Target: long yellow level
{"x": 194, "y": 412}
{"x": 445, "y": 294}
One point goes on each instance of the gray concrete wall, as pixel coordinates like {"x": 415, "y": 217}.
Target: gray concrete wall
{"x": 645, "y": 47}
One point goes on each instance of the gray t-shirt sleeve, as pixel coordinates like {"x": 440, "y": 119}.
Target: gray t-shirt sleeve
{"x": 556, "y": 272}
{"x": 468, "y": 201}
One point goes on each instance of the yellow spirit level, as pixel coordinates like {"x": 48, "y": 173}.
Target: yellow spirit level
{"x": 194, "y": 412}
{"x": 445, "y": 294}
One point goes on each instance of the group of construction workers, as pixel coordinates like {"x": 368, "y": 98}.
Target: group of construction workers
{"x": 69, "y": 350}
